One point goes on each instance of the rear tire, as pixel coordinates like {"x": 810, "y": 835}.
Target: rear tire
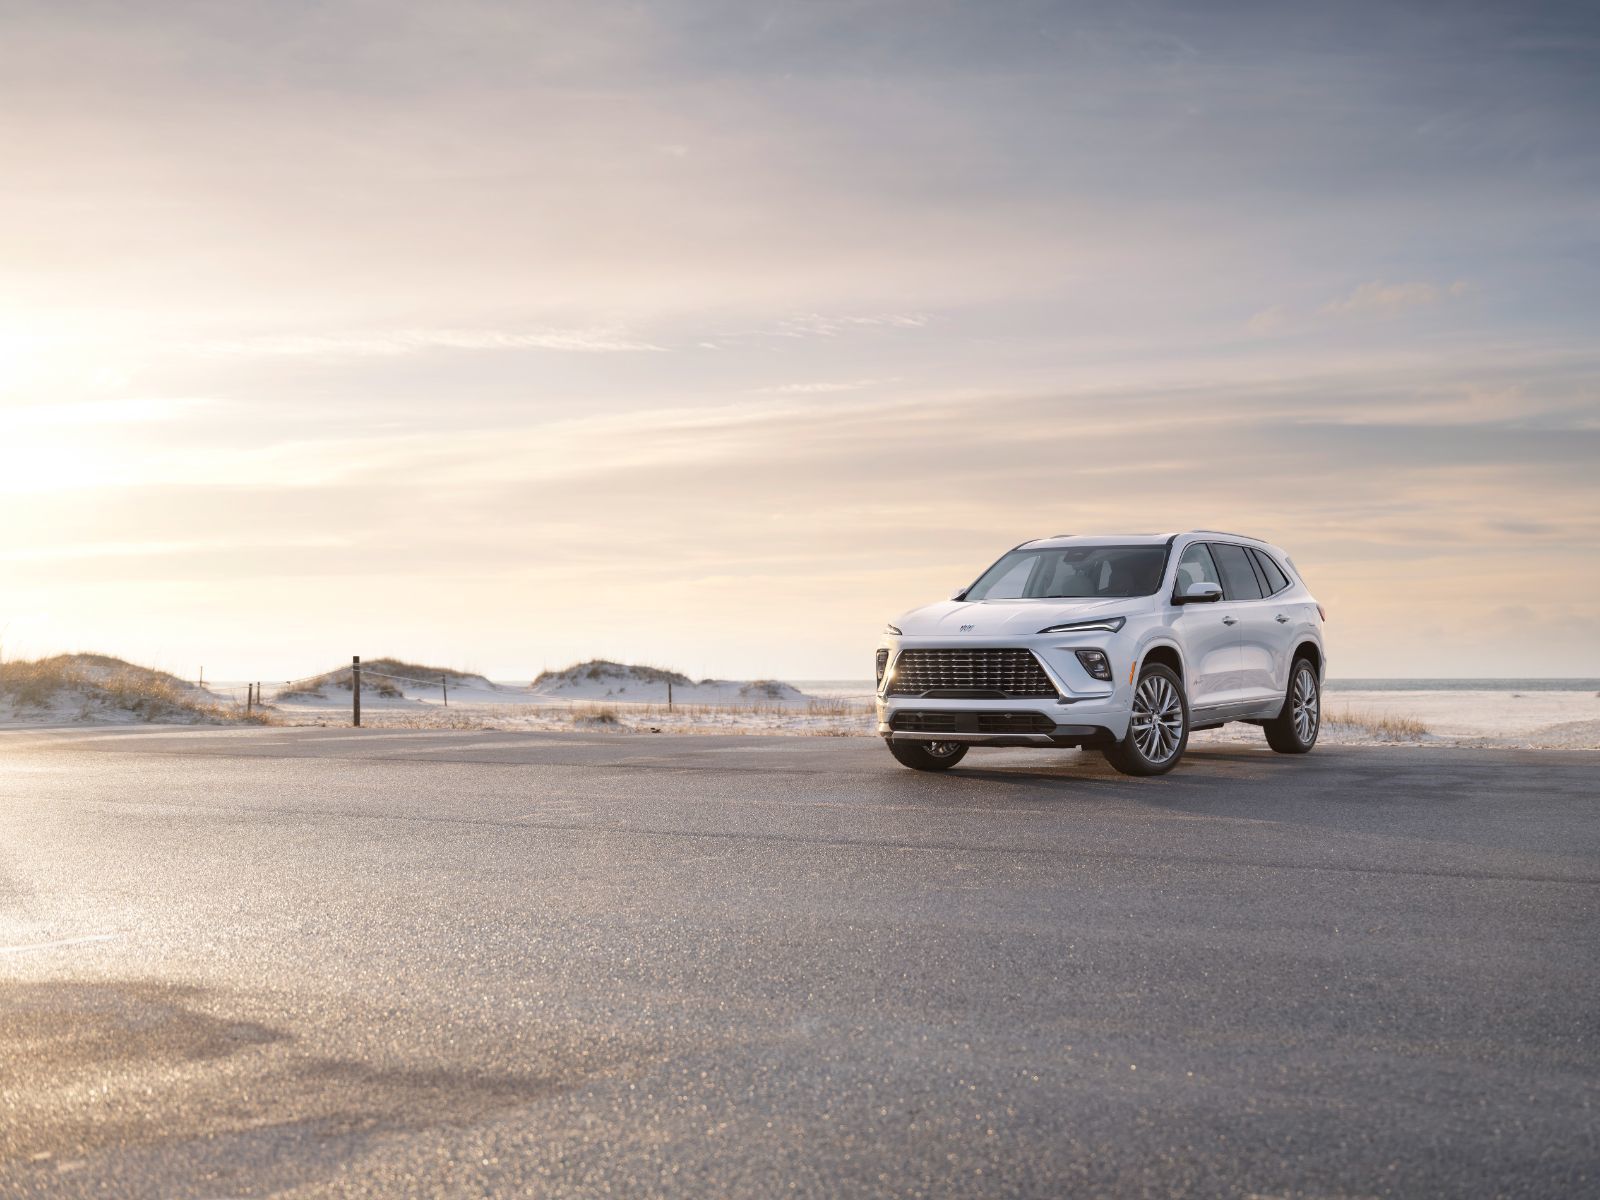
{"x": 1294, "y": 730}
{"x": 1158, "y": 730}
{"x": 927, "y": 756}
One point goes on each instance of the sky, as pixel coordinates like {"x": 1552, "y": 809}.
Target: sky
{"x": 713, "y": 335}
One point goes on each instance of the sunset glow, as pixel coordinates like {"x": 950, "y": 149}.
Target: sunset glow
{"x": 506, "y": 337}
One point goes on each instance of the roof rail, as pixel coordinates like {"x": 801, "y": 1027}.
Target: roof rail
{"x": 1226, "y": 533}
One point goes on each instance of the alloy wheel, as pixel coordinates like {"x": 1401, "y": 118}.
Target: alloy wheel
{"x": 1157, "y": 719}
{"x": 1305, "y": 706}
{"x": 943, "y": 749}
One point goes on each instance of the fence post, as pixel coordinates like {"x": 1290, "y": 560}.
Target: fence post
{"x": 669, "y": 695}
{"x": 249, "y": 698}
{"x": 355, "y": 689}
{"x": 444, "y": 686}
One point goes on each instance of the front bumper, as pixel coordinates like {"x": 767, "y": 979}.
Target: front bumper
{"x": 1083, "y": 711}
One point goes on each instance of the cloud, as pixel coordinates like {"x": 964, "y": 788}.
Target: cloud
{"x": 428, "y": 278}
{"x": 97, "y": 413}
{"x": 1268, "y": 321}
{"x": 819, "y": 325}
{"x": 1387, "y": 299}
{"x": 414, "y": 341}
{"x": 823, "y": 387}
{"x": 1374, "y": 298}
{"x": 814, "y": 511}
{"x": 168, "y": 550}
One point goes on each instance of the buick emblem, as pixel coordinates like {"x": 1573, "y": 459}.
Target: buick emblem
{"x": 966, "y": 629}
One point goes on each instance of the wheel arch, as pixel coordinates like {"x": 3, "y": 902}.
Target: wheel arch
{"x": 1309, "y": 649}
{"x": 1168, "y": 655}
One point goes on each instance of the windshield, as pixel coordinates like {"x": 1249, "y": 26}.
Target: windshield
{"x": 1080, "y": 572}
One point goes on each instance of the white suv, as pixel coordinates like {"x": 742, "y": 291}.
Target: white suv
{"x": 1125, "y": 644}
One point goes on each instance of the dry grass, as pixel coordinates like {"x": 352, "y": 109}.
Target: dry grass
{"x": 597, "y": 670}
{"x": 597, "y": 714}
{"x": 1384, "y": 724}
{"x": 97, "y": 685}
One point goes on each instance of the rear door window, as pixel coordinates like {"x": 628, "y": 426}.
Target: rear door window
{"x": 1276, "y": 579}
{"x": 1238, "y": 576}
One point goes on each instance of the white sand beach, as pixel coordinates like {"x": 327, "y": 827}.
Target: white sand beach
{"x": 1546, "y": 719}
{"x": 614, "y": 698}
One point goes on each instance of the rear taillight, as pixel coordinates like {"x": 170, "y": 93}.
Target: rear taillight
{"x": 1323, "y": 613}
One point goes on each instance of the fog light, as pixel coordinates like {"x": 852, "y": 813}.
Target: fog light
{"x": 883, "y": 662}
{"x": 1096, "y": 663}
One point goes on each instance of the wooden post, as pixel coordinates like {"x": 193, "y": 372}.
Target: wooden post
{"x": 249, "y": 698}
{"x": 355, "y": 690}
{"x": 444, "y": 686}
{"x": 669, "y": 695}
{"x": 258, "y": 693}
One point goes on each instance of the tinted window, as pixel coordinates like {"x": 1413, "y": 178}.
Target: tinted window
{"x": 1196, "y": 567}
{"x": 1072, "y": 571}
{"x": 1255, "y": 569}
{"x": 1238, "y": 576}
{"x": 1276, "y": 579}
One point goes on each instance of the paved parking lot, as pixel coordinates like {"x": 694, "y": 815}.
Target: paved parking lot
{"x": 380, "y": 963}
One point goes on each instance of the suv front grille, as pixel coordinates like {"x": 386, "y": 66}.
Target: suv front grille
{"x": 971, "y": 673}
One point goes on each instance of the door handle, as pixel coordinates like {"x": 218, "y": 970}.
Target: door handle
{"x": 1282, "y": 620}
{"x": 1229, "y": 621}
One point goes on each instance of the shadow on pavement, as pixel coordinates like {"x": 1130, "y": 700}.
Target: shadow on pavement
{"x": 101, "y": 1077}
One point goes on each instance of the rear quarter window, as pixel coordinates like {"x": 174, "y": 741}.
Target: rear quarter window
{"x": 1276, "y": 579}
{"x": 1238, "y": 576}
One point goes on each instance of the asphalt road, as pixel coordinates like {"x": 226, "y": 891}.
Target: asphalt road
{"x": 379, "y": 963}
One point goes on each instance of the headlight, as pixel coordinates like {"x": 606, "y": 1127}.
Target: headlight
{"x": 1098, "y": 625}
{"x": 891, "y": 629}
{"x": 883, "y": 663}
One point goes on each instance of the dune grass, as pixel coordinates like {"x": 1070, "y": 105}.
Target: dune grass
{"x": 87, "y": 686}
{"x": 598, "y": 670}
{"x": 1383, "y": 724}
{"x": 375, "y": 679}
{"x": 597, "y": 714}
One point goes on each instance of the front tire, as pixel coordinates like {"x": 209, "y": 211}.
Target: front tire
{"x": 1158, "y": 730}
{"x": 1294, "y": 730}
{"x": 927, "y": 756}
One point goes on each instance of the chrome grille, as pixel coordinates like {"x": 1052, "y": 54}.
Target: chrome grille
{"x": 1007, "y": 672}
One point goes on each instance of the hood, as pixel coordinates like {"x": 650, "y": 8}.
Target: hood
{"x": 1011, "y": 618}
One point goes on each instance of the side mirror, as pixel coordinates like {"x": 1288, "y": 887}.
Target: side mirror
{"x": 1199, "y": 593}
{"x": 959, "y": 594}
